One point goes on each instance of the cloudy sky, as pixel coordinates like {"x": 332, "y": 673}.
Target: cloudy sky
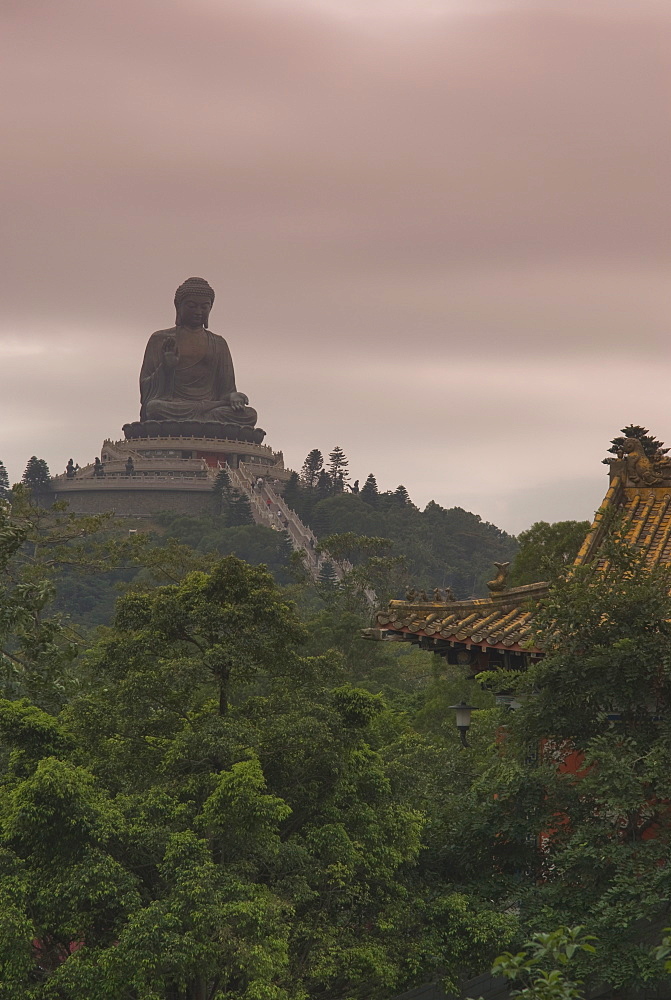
{"x": 439, "y": 230}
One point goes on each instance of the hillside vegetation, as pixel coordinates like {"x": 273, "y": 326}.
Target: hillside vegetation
{"x": 226, "y": 794}
{"x": 440, "y": 547}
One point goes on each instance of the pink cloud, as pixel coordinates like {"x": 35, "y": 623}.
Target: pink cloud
{"x": 488, "y": 186}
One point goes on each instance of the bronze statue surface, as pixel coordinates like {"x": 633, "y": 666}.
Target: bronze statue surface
{"x": 187, "y": 376}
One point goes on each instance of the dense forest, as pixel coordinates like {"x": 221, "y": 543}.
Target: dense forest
{"x": 434, "y": 547}
{"x": 430, "y": 548}
{"x": 213, "y": 787}
{"x": 439, "y": 547}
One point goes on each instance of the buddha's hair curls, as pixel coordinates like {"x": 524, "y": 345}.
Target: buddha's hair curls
{"x": 191, "y": 286}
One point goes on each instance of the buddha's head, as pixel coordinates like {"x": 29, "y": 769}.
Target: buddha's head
{"x": 193, "y": 302}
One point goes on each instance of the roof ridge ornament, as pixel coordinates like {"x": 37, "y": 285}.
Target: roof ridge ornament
{"x": 440, "y": 596}
{"x": 639, "y": 461}
{"x": 640, "y": 467}
{"x": 500, "y": 581}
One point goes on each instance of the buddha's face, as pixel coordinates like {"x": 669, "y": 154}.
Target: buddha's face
{"x": 194, "y": 311}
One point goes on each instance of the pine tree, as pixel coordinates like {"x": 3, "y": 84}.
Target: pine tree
{"x": 37, "y": 476}
{"x": 239, "y": 510}
{"x": 223, "y": 481}
{"x": 401, "y": 495}
{"x": 324, "y": 486}
{"x": 338, "y": 465}
{"x": 320, "y": 522}
{"x": 370, "y": 493}
{"x": 231, "y": 504}
{"x": 221, "y": 489}
{"x": 327, "y": 576}
{"x": 4, "y": 483}
{"x": 312, "y": 467}
{"x": 292, "y": 492}
{"x": 651, "y": 445}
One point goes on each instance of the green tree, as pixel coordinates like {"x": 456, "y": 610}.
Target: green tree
{"x": 349, "y": 547}
{"x": 119, "y": 897}
{"x": 547, "y": 550}
{"x": 37, "y": 476}
{"x": 38, "y": 546}
{"x": 327, "y": 575}
{"x": 292, "y": 845}
{"x": 651, "y": 445}
{"x": 598, "y": 706}
{"x": 227, "y": 625}
{"x": 231, "y": 504}
{"x": 441, "y": 547}
{"x": 324, "y": 486}
{"x": 371, "y": 573}
{"x": 338, "y": 463}
{"x": 319, "y": 521}
{"x": 606, "y": 649}
{"x": 543, "y": 965}
{"x": 312, "y": 466}
{"x": 401, "y": 495}
{"x": 292, "y": 492}
{"x": 369, "y": 491}
{"x": 5, "y": 490}
{"x": 192, "y": 543}
{"x": 221, "y": 488}
{"x": 239, "y": 509}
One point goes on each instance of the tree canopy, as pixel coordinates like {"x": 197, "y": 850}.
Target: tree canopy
{"x": 597, "y": 706}
{"x": 440, "y": 547}
{"x": 214, "y": 811}
{"x": 225, "y": 793}
{"x": 546, "y": 551}
{"x": 312, "y": 466}
{"x": 651, "y": 445}
{"x": 4, "y": 483}
{"x": 36, "y": 475}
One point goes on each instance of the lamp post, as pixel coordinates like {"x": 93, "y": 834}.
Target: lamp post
{"x": 463, "y": 719}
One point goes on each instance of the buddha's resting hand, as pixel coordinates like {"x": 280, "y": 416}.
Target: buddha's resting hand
{"x": 170, "y": 352}
{"x": 238, "y": 400}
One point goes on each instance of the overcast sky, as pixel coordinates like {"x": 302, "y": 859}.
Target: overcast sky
{"x": 439, "y": 230}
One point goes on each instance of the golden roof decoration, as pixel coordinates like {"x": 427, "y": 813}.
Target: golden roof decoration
{"x": 501, "y": 621}
{"x": 638, "y": 501}
{"x": 499, "y": 583}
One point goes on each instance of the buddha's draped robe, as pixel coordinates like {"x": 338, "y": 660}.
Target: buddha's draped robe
{"x": 199, "y": 391}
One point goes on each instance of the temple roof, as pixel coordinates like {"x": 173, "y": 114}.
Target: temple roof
{"x": 646, "y": 523}
{"x": 496, "y": 622}
{"x": 639, "y": 494}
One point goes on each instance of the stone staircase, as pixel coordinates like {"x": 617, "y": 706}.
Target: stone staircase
{"x": 302, "y": 538}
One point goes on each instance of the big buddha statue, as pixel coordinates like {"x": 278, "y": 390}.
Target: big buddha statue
{"x": 187, "y": 382}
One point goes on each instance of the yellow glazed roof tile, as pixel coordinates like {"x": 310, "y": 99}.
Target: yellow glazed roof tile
{"x": 638, "y": 500}
{"x": 501, "y": 621}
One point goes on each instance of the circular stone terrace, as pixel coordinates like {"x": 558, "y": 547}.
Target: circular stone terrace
{"x": 168, "y": 473}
